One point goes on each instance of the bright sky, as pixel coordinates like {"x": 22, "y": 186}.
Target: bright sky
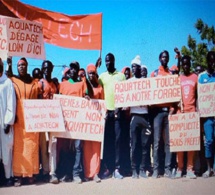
{"x": 129, "y": 28}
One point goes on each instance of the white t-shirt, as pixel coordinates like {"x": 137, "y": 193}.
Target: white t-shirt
{"x": 138, "y": 109}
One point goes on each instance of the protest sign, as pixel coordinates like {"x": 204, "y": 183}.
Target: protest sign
{"x": 84, "y": 119}
{"x": 147, "y": 91}
{"x": 43, "y": 116}
{"x": 206, "y": 99}
{"x": 78, "y": 32}
{"x": 184, "y": 132}
{"x": 3, "y": 38}
{"x": 21, "y": 38}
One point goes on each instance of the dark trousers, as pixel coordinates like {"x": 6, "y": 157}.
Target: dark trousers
{"x": 111, "y": 155}
{"x": 69, "y": 157}
{"x": 138, "y": 129}
{"x": 161, "y": 124}
{"x": 125, "y": 119}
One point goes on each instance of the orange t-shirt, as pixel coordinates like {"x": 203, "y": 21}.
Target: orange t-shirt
{"x": 72, "y": 88}
{"x": 189, "y": 92}
{"x": 159, "y": 73}
{"x": 48, "y": 89}
{"x": 98, "y": 92}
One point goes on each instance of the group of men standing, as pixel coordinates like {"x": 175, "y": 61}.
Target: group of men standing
{"x": 128, "y": 134}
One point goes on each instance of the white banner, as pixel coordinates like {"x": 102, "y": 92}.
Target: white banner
{"x": 184, "y": 132}
{"x": 147, "y": 91}
{"x": 84, "y": 119}
{"x": 206, "y": 99}
{"x": 43, "y": 116}
{"x": 21, "y": 38}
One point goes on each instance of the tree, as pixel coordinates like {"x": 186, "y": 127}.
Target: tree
{"x": 198, "y": 51}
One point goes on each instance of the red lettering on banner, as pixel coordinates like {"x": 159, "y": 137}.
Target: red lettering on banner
{"x": 70, "y": 113}
{"x": 184, "y": 126}
{"x": 192, "y": 116}
{"x": 93, "y": 116}
{"x": 207, "y": 98}
{"x": 166, "y": 93}
{"x": 16, "y": 47}
{"x": 167, "y": 81}
{"x": 183, "y": 134}
{"x": 29, "y": 127}
{"x": 35, "y": 49}
{"x": 192, "y": 141}
{"x": 139, "y": 84}
{"x": 176, "y": 142}
{"x": 205, "y": 88}
{"x": 96, "y": 129}
{"x": 173, "y": 117}
{"x": 46, "y": 125}
{"x": 69, "y": 102}
{"x": 19, "y": 25}
{"x": 80, "y": 32}
{"x": 24, "y": 37}
{"x": 0, "y": 31}
{"x": 53, "y": 115}
{"x": 84, "y": 127}
{"x": 92, "y": 105}
{"x": 3, "y": 45}
{"x": 119, "y": 98}
{"x": 138, "y": 96}
{"x": 205, "y": 111}
{"x": 128, "y": 98}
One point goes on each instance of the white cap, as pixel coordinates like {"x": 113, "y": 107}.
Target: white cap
{"x": 136, "y": 60}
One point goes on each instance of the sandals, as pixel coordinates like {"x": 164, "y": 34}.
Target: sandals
{"x": 17, "y": 182}
{"x": 207, "y": 174}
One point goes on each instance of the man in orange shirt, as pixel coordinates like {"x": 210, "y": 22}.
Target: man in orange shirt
{"x": 48, "y": 89}
{"x": 73, "y": 87}
{"x": 161, "y": 122}
{"x": 189, "y": 96}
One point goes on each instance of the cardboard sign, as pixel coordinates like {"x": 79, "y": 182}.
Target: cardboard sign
{"x": 184, "y": 132}
{"x": 43, "y": 116}
{"x": 206, "y": 99}
{"x": 3, "y": 38}
{"x": 147, "y": 91}
{"x": 21, "y": 38}
{"x": 84, "y": 119}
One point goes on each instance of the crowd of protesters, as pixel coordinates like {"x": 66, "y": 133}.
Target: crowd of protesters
{"x": 136, "y": 139}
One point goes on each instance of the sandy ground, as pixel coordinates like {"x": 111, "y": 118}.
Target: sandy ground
{"x": 127, "y": 185}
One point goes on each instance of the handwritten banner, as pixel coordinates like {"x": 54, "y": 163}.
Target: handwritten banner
{"x": 43, "y": 116}
{"x": 21, "y": 38}
{"x": 206, "y": 99}
{"x": 3, "y": 38}
{"x": 78, "y": 32}
{"x": 147, "y": 91}
{"x": 84, "y": 119}
{"x": 184, "y": 131}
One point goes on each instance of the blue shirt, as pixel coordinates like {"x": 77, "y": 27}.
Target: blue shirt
{"x": 205, "y": 77}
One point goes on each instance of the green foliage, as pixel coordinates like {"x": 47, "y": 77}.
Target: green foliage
{"x": 198, "y": 51}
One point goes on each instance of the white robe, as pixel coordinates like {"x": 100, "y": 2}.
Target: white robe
{"x": 7, "y": 116}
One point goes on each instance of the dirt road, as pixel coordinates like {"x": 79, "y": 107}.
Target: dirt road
{"x": 125, "y": 186}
